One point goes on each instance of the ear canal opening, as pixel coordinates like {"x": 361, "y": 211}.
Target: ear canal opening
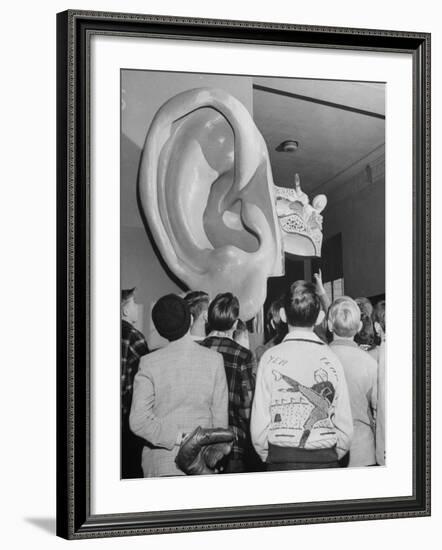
{"x": 201, "y": 176}
{"x": 229, "y": 227}
{"x": 233, "y": 218}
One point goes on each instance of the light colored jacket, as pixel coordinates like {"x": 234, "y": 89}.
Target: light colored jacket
{"x": 379, "y": 355}
{"x": 361, "y": 374}
{"x": 176, "y": 389}
{"x": 301, "y": 398}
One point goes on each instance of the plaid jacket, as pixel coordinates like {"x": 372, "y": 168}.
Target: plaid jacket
{"x": 239, "y": 364}
{"x": 133, "y": 347}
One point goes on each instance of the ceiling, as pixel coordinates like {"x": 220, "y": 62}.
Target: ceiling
{"x": 338, "y": 124}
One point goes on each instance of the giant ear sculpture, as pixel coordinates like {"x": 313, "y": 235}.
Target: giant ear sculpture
{"x": 206, "y": 189}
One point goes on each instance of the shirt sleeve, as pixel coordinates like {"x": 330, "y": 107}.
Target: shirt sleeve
{"x": 374, "y": 390}
{"x": 138, "y": 348}
{"x": 220, "y": 401}
{"x": 325, "y": 301}
{"x": 247, "y": 385}
{"x": 260, "y": 420}
{"x": 380, "y": 418}
{"x": 342, "y": 418}
{"x": 160, "y": 432}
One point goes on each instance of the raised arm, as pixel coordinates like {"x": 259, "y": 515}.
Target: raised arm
{"x": 320, "y": 291}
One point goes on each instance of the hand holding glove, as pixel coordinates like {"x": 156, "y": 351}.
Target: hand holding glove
{"x": 202, "y": 449}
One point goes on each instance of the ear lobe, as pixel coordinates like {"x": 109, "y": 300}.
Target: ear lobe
{"x": 360, "y": 326}
{"x": 330, "y": 325}
{"x": 283, "y": 315}
{"x": 321, "y": 317}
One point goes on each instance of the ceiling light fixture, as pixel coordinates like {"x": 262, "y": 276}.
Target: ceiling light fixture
{"x": 288, "y": 146}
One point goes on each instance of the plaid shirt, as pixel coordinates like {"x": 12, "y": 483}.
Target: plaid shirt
{"x": 239, "y": 364}
{"x": 133, "y": 347}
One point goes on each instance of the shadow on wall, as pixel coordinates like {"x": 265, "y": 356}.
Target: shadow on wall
{"x": 141, "y": 263}
{"x": 45, "y": 524}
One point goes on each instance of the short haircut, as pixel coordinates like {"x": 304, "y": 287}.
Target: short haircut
{"x": 223, "y": 312}
{"x": 301, "y": 304}
{"x": 198, "y": 301}
{"x": 379, "y": 314}
{"x": 274, "y": 314}
{"x": 127, "y": 295}
{"x": 345, "y": 317}
{"x": 278, "y": 329}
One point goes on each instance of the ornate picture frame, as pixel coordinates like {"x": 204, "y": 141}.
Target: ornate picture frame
{"x": 75, "y": 30}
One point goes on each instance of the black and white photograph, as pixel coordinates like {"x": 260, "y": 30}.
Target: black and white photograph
{"x": 252, "y": 274}
{"x": 209, "y": 208}
{"x": 239, "y": 203}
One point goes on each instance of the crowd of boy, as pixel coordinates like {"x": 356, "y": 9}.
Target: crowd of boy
{"x": 311, "y": 397}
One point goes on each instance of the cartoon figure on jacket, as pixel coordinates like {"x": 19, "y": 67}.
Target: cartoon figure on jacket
{"x": 320, "y": 395}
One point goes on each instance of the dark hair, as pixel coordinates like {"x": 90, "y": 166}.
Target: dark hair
{"x": 223, "y": 312}
{"x": 126, "y": 295}
{"x": 301, "y": 304}
{"x": 366, "y": 336}
{"x": 198, "y": 301}
{"x": 365, "y": 305}
{"x": 278, "y": 330}
{"x": 379, "y": 314}
{"x": 171, "y": 317}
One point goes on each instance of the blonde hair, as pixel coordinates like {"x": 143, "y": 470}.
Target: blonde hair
{"x": 345, "y": 317}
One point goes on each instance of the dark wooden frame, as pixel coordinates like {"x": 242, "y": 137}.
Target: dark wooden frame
{"x": 74, "y": 519}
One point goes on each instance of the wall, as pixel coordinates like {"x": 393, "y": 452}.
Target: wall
{"x": 27, "y": 224}
{"x": 359, "y": 215}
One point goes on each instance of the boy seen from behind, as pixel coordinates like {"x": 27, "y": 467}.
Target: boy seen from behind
{"x": 301, "y": 416}
{"x": 344, "y": 321}
{"x": 239, "y": 366}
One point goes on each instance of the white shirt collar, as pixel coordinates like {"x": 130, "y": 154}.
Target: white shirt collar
{"x": 301, "y": 333}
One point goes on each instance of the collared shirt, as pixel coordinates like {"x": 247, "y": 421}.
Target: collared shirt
{"x": 239, "y": 365}
{"x": 301, "y": 397}
{"x": 361, "y": 374}
{"x": 197, "y": 338}
{"x": 133, "y": 347}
